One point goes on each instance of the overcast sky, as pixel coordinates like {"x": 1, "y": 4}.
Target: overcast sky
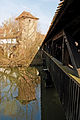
{"x": 43, "y": 9}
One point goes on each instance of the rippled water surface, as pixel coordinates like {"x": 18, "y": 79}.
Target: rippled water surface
{"x": 19, "y": 94}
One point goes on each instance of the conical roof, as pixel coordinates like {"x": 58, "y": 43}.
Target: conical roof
{"x": 25, "y": 14}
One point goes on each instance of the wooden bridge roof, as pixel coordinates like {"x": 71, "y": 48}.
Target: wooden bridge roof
{"x": 66, "y": 17}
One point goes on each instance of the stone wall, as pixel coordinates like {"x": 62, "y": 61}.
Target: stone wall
{"x": 28, "y": 29}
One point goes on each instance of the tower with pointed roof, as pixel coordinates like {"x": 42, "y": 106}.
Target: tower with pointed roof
{"x": 28, "y": 27}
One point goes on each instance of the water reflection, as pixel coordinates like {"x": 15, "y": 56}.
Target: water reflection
{"x": 19, "y": 94}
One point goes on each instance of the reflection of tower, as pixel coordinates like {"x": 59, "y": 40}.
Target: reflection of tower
{"x": 28, "y": 27}
{"x": 26, "y": 91}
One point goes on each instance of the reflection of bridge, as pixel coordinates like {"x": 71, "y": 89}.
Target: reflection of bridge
{"x": 61, "y": 54}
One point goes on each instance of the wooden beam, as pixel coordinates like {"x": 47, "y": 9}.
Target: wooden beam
{"x": 57, "y": 36}
{"x": 70, "y": 52}
{"x": 63, "y": 51}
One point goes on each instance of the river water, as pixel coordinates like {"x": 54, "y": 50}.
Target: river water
{"x": 23, "y": 96}
{"x": 20, "y": 94}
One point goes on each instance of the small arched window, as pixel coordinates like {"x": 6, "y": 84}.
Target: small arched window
{"x": 29, "y": 20}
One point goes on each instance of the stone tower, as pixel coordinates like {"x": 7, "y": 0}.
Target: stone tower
{"x": 27, "y": 27}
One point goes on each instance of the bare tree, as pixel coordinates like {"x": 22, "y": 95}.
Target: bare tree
{"x": 28, "y": 42}
{"x": 11, "y": 27}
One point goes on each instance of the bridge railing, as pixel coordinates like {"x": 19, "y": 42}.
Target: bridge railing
{"x": 67, "y": 86}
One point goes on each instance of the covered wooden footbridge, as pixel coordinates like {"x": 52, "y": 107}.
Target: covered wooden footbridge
{"x": 61, "y": 56}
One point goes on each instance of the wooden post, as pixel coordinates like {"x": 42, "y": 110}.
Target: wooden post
{"x": 63, "y": 51}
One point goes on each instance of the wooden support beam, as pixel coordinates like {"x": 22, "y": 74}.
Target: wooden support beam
{"x": 63, "y": 51}
{"x": 70, "y": 52}
{"x": 57, "y": 36}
